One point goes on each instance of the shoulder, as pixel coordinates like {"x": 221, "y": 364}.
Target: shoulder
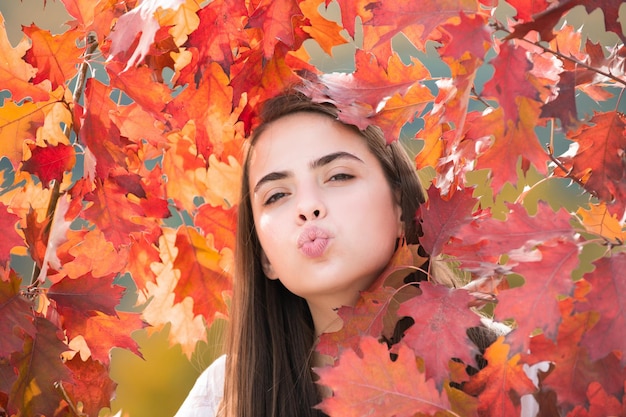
{"x": 206, "y": 394}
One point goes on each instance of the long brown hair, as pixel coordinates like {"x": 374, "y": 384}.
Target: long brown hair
{"x": 271, "y": 338}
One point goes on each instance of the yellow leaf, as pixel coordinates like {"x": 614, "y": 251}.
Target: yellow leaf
{"x": 598, "y": 220}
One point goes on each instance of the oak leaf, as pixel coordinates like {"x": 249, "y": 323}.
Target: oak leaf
{"x": 40, "y": 368}
{"x": 204, "y": 276}
{"x": 86, "y": 295}
{"x": 598, "y": 160}
{"x": 10, "y": 238}
{"x": 439, "y": 334}
{"x": 526, "y": 10}
{"x": 500, "y": 383}
{"x": 373, "y": 384}
{"x": 275, "y": 18}
{"x": 219, "y": 222}
{"x": 15, "y": 316}
{"x": 608, "y": 298}
{"x": 90, "y": 380}
{"x": 326, "y": 32}
{"x": 598, "y": 220}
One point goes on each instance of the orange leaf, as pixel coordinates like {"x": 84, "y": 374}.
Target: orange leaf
{"x": 501, "y": 383}
{"x": 325, "y": 32}
{"x": 219, "y": 222}
{"x": 56, "y": 57}
{"x": 15, "y": 316}
{"x": 202, "y": 274}
{"x": 598, "y": 220}
{"x": 16, "y": 74}
{"x": 373, "y": 384}
{"x": 10, "y": 238}
{"x": 90, "y": 381}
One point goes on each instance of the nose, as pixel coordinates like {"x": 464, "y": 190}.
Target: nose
{"x": 310, "y": 204}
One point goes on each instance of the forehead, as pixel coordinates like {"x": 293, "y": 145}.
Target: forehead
{"x": 300, "y": 138}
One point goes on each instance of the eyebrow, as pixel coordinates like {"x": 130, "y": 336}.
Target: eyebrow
{"x": 320, "y": 162}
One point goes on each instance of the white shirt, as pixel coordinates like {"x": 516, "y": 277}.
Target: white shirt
{"x": 206, "y": 394}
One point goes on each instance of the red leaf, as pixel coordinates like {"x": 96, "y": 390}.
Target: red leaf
{"x": 563, "y": 106}
{"x": 56, "y": 57}
{"x": 441, "y": 218}
{"x": 218, "y": 222}
{"x": 439, "y": 334}
{"x": 10, "y": 238}
{"x": 91, "y": 385}
{"x": 202, "y": 276}
{"x": 364, "y": 319}
{"x": 16, "y": 316}
{"x": 573, "y": 369}
{"x": 608, "y": 298}
{"x": 511, "y": 80}
{"x": 102, "y": 332}
{"x": 86, "y": 295}
{"x": 50, "y": 162}
{"x": 275, "y": 19}
{"x": 372, "y": 384}
{"x": 535, "y": 304}
{"x": 527, "y": 9}
{"x": 599, "y": 159}
{"x": 500, "y": 384}
{"x": 142, "y": 254}
{"x": 40, "y": 368}
{"x": 471, "y": 35}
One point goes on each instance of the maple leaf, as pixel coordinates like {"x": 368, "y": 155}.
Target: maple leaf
{"x": 275, "y": 18}
{"x": 511, "y": 81}
{"x": 39, "y": 367}
{"x": 15, "y": 316}
{"x": 501, "y": 383}
{"x": 90, "y": 380}
{"x": 469, "y": 35}
{"x": 373, "y": 384}
{"x": 545, "y": 281}
{"x": 439, "y": 334}
{"x": 10, "y": 238}
{"x": 607, "y": 297}
{"x": 16, "y": 74}
{"x": 56, "y": 57}
{"x": 441, "y": 219}
{"x": 50, "y": 162}
{"x": 598, "y": 160}
{"x": 203, "y": 277}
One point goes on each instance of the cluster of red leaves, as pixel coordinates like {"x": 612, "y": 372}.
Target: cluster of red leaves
{"x": 101, "y": 164}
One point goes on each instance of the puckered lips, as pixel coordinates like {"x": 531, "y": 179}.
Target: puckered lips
{"x": 312, "y": 242}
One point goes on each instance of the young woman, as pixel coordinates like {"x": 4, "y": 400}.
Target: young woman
{"x": 323, "y": 209}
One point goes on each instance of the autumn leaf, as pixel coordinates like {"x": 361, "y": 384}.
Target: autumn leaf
{"x": 275, "y": 19}
{"x": 526, "y": 10}
{"x": 86, "y": 295}
{"x": 90, "y": 380}
{"x": 39, "y": 367}
{"x": 50, "y": 162}
{"x": 10, "y": 239}
{"x": 441, "y": 218}
{"x": 563, "y": 106}
{"x": 15, "y": 316}
{"x": 607, "y": 297}
{"x": 16, "y": 74}
{"x": 373, "y": 384}
{"x": 364, "y": 319}
{"x": 500, "y": 383}
{"x": 598, "y": 160}
{"x": 56, "y": 57}
{"x": 326, "y": 32}
{"x": 598, "y": 220}
{"x": 17, "y": 122}
{"x": 203, "y": 274}
{"x": 218, "y": 222}
{"x": 572, "y": 367}
{"x": 439, "y": 334}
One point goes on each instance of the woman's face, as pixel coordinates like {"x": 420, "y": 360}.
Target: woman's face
{"x": 324, "y": 212}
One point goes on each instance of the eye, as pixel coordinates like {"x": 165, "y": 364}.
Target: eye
{"x": 341, "y": 177}
{"x": 274, "y": 198}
